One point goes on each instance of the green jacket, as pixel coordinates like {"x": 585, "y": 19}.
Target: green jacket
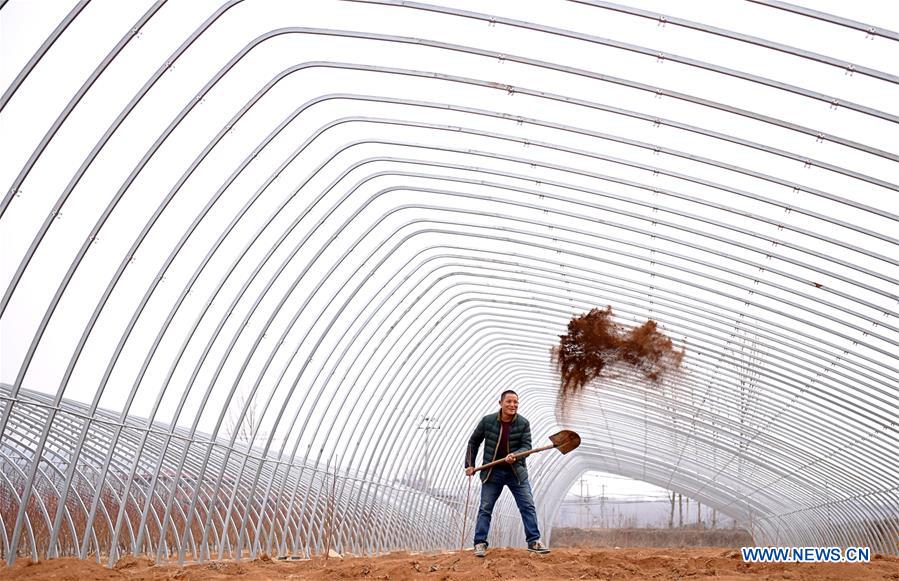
{"x": 487, "y": 431}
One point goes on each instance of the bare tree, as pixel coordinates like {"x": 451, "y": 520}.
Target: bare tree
{"x": 244, "y": 429}
{"x": 672, "y": 496}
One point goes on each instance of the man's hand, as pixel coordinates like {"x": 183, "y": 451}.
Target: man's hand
{"x": 511, "y": 458}
{"x": 469, "y": 471}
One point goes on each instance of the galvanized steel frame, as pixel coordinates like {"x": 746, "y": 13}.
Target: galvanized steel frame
{"x": 126, "y": 465}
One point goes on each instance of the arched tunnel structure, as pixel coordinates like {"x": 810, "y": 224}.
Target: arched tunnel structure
{"x": 265, "y": 264}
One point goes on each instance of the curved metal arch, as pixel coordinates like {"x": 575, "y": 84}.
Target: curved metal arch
{"x": 628, "y": 113}
{"x": 64, "y": 115}
{"x": 643, "y": 145}
{"x": 527, "y": 178}
{"x": 886, "y": 33}
{"x": 887, "y": 525}
{"x": 42, "y": 506}
{"x": 658, "y": 472}
{"x": 638, "y": 50}
{"x": 745, "y": 38}
{"x": 620, "y": 291}
{"x": 405, "y": 406}
{"x": 29, "y": 531}
{"x": 288, "y": 329}
{"x": 79, "y": 500}
{"x": 491, "y": 381}
{"x": 39, "y": 54}
{"x": 500, "y": 341}
{"x": 125, "y": 112}
{"x": 602, "y": 177}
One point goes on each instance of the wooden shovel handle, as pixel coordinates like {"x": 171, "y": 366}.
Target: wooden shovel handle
{"x": 519, "y": 455}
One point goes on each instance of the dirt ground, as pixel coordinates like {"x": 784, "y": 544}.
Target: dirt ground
{"x": 610, "y": 564}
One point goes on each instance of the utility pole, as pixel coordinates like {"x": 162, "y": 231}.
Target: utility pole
{"x": 428, "y": 424}
{"x": 602, "y": 507}
{"x": 584, "y": 515}
{"x": 583, "y": 504}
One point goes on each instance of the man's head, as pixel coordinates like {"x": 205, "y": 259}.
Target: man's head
{"x": 508, "y": 403}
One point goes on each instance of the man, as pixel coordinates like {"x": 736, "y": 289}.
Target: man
{"x": 504, "y": 434}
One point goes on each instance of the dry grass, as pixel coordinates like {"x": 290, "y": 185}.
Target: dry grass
{"x": 634, "y": 537}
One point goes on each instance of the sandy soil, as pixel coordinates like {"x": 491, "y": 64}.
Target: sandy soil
{"x": 610, "y": 564}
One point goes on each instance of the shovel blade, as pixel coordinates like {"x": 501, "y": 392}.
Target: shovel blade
{"x": 565, "y": 441}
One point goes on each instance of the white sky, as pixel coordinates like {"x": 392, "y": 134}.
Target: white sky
{"x": 615, "y": 487}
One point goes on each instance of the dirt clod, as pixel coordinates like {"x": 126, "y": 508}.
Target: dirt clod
{"x": 595, "y": 342}
{"x": 132, "y": 562}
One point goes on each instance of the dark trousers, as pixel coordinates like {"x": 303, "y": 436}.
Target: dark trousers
{"x": 490, "y": 492}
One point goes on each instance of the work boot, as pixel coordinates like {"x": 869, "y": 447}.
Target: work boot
{"x": 480, "y": 549}
{"x": 537, "y": 547}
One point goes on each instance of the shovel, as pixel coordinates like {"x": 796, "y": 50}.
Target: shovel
{"x": 564, "y": 441}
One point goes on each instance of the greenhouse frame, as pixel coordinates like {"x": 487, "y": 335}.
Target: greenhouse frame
{"x": 266, "y": 263}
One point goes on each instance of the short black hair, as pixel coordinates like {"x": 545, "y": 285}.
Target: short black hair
{"x": 503, "y": 395}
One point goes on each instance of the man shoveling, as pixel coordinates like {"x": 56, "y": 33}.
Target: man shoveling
{"x": 507, "y": 439}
